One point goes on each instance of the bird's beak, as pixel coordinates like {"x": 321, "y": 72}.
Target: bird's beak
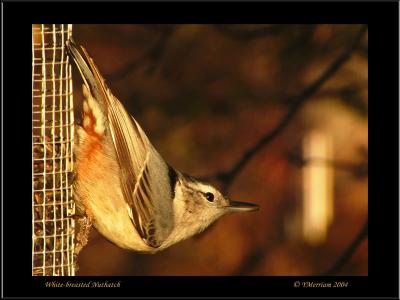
{"x": 237, "y": 206}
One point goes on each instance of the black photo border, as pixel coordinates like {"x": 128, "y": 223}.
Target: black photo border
{"x": 382, "y": 20}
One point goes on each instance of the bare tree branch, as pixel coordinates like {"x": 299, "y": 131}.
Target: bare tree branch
{"x": 349, "y": 251}
{"x": 153, "y": 54}
{"x": 247, "y": 33}
{"x": 296, "y": 103}
{"x": 358, "y": 169}
{"x": 261, "y": 251}
{"x": 337, "y": 91}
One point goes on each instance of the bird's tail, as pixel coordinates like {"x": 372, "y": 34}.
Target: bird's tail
{"x": 95, "y": 90}
{"x": 89, "y": 71}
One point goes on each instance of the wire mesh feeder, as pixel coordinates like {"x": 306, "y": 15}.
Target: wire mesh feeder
{"x": 52, "y": 146}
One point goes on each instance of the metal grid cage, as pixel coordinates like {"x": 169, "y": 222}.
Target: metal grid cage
{"x": 52, "y": 152}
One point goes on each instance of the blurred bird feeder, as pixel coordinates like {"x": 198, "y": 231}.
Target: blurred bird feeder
{"x": 52, "y": 149}
{"x": 317, "y": 186}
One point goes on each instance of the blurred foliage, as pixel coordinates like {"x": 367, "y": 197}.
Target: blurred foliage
{"x": 204, "y": 94}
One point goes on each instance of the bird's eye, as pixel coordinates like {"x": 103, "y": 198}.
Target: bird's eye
{"x": 209, "y": 196}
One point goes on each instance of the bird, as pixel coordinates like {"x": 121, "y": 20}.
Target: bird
{"x": 123, "y": 187}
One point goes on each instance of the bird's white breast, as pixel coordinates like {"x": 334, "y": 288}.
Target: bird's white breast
{"x": 98, "y": 192}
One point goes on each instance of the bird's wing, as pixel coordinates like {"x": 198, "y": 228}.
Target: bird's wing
{"x": 151, "y": 215}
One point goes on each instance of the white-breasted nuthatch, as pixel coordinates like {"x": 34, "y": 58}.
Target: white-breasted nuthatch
{"x": 122, "y": 184}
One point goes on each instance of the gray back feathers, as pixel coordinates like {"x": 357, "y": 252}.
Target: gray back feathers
{"x": 145, "y": 179}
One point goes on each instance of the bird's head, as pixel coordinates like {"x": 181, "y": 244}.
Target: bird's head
{"x": 199, "y": 204}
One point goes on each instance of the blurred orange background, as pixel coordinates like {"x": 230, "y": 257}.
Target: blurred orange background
{"x": 205, "y": 94}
